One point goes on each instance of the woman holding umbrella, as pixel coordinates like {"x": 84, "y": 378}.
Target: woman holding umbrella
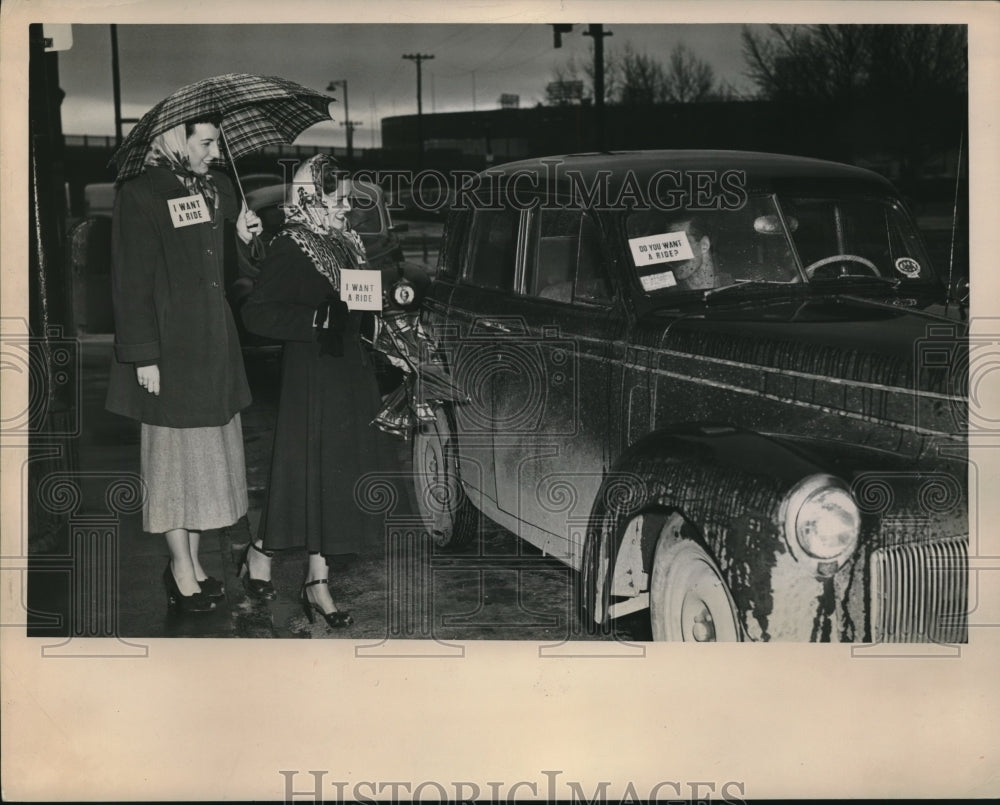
{"x": 178, "y": 367}
{"x": 323, "y": 442}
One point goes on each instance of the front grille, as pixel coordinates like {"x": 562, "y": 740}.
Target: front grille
{"x": 920, "y": 592}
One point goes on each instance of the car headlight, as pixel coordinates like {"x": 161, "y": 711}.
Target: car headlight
{"x": 821, "y": 519}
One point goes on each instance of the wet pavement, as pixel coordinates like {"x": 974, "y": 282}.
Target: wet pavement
{"x": 99, "y": 574}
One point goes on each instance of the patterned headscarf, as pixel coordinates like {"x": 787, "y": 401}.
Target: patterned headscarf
{"x": 328, "y": 248}
{"x": 169, "y": 150}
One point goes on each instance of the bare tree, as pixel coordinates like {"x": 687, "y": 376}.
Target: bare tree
{"x": 918, "y": 59}
{"x": 643, "y": 80}
{"x": 896, "y": 77}
{"x": 687, "y": 79}
{"x": 843, "y": 63}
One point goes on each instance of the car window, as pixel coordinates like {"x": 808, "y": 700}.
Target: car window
{"x": 873, "y": 233}
{"x": 454, "y": 243}
{"x": 681, "y": 250}
{"x": 564, "y": 257}
{"x": 493, "y": 259}
{"x": 592, "y": 284}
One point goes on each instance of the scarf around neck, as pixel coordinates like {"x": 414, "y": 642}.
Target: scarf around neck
{"x": 329, "y": 249}
{"x": 169, "y": 150}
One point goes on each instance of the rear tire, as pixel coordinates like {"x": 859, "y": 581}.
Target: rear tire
{"x": 448, "y": 514}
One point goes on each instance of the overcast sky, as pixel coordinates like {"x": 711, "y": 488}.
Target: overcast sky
{"x": 473, "y": 64}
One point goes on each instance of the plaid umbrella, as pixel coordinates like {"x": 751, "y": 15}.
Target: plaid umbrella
{"x": 256, "y": 111}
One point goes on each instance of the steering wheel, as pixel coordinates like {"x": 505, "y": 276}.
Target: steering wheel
{"x": 841, "y": 258}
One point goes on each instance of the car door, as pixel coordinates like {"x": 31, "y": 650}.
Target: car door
{"x": 553, "y": 395}
{"x": 476, "y": 323}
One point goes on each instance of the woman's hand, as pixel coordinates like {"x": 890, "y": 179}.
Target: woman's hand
{"x": 248, "y": 224}
{"x": 149, "y": 378}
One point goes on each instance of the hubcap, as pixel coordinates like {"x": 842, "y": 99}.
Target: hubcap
{"x": 696, "y": 620}
{"x": 689, "y": 599}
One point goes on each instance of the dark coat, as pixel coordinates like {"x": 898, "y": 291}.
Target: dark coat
{"x": 324, "y": 442}
{"x": 168, "y": 289}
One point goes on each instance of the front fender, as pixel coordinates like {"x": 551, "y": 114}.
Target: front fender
{"x": 729, "y": 485}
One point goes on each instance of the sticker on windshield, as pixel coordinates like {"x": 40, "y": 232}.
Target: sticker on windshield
{"x": 653, "y": 282}
{"x": 665, "y": 248}
{"x": 908, "y": 267}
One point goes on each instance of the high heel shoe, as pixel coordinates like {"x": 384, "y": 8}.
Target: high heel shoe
{"x": 257, "y": 588}
{"x": 212, "y": 587}
{"x": 336, "y": 619}
{"x": 196, "y": 602}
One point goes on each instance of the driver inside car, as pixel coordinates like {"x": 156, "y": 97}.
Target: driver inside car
{"x": 700, "y": 271}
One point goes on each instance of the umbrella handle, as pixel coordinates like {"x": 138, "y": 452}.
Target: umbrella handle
{"x": 256, "y": 249}
{"x": 232, "y": 162}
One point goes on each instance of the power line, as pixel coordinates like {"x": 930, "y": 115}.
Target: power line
{"x": 503, "y": 49}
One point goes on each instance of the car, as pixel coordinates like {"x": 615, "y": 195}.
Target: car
{"x": 727, "y": 388}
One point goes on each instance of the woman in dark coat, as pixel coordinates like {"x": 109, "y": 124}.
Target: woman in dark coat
{"x": 324, "y": 441}
{"x": 177, "y": 366}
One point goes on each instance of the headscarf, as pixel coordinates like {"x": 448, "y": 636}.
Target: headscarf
{"x": 169, "y": 150}
{"x": 328, "y": 248}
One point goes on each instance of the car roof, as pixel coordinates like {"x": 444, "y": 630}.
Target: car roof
{"x": 761, "y": 169}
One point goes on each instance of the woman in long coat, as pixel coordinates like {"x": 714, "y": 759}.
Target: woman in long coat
{"x": 324, "y": 441}
{"x": 177, "y": 366}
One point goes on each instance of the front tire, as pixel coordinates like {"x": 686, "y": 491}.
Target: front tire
{"x": 688, "y": 598}
{"x": 446, "y": 510}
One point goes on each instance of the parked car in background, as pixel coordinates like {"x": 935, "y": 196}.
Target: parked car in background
{"x": 254, "y": 181}
{"x": 99, "y": 197}
{"x": 727, "y": 388}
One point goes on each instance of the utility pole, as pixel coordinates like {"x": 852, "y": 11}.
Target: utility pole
{"x": 418, "y": 58}
{"x": 348, "y": 124}
{"x": 598, "y": 33}
{"x": 116, "y": 84}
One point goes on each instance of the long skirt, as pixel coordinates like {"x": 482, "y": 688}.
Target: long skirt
{"x": 195, "y": 477}
{"x": 334, "y": 476}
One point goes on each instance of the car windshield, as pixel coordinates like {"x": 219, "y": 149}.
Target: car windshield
{"x": 842, "y": 238}
{"x": 775, "y": 241}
